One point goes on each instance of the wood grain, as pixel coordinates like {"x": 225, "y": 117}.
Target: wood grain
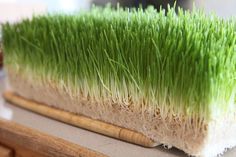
{"x": 23, "y": 152}
{"x": 81, "y": 121}
{"x": 5, "y": 152}
{"x": 32, "y": 143}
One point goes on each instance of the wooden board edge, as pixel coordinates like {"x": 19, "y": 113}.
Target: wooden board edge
{"x": 5, "y": 151}
{"x": 17, "y": 136}
{"x": 81, "y": 121}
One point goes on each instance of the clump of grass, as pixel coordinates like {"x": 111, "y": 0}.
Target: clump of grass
{"x": 185, "y": 63}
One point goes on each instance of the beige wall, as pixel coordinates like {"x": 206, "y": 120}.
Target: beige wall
{"x": 223, "y": 8}
{"x": 11, "y": 11}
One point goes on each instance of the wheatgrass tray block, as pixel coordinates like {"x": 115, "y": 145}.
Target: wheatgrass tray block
{"x": 169, "y": 77}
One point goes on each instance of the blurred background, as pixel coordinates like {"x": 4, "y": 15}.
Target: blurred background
{"x": 14, "y": 10}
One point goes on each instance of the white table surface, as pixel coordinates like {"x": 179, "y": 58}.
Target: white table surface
{"x": 94, "y": 141}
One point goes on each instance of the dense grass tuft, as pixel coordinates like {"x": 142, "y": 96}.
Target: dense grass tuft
{"x": 184, "y": 62}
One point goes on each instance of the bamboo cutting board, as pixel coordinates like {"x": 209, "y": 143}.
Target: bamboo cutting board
{"x": 81, "y": 121}
{"x": 26, "y": 142}
{"x": 5, "y": 152}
